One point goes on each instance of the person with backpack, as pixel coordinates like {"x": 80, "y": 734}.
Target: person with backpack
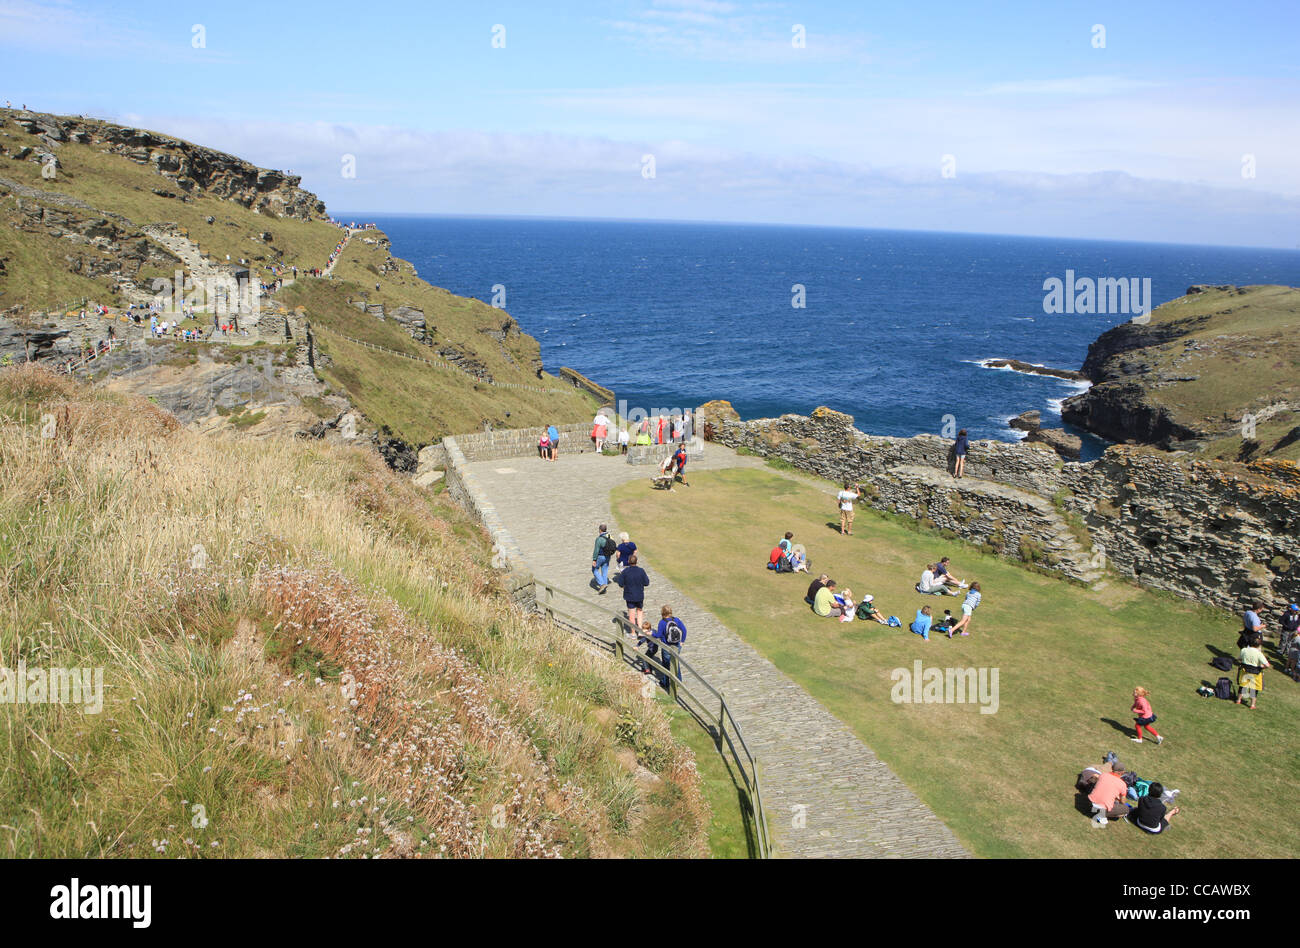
{"x": 1251, "y": 625}
{"x": 634, "y": 581}
{"x": 1150, "y": 815}
{"x": 671, "y": 634}
{"x": 778, "y": 561}
{"x": 1250, "y": 671}
{"x": 1145, "y": 717}
{"x": 600, "y": 555}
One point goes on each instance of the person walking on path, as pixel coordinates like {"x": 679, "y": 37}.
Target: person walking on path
{"x": 671, "y": 634}
{"x": 1144, "y": 716}
{"x": 1250, "y": 671}
{"x": 600, "y": 554}
{"x": 959, "y": 448}
{"x": 600, "y": 430}
{"x": 846, "y": 497}
{"x": 968, "y": 608}
{"x": 554, "y": 434}
{"x": 634, "y": 581}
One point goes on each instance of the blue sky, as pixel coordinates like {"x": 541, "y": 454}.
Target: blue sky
{"x": 1048, "y": 133}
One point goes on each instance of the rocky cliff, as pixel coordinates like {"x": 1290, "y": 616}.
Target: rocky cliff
{"x": 1213, "y": 371}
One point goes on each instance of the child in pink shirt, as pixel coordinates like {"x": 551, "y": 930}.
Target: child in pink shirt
{"x": 1145, "y": 717}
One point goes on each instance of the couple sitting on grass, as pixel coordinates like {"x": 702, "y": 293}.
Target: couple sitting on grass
{"x": 788, "y": 557}
{"x": 827, "y": 602}
{"x": 937, "y": 581}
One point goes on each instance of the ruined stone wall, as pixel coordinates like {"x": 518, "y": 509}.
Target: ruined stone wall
{"x": 1216, "y": 532}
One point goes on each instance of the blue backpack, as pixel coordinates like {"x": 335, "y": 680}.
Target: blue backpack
{"x": 895, "y": 623}
{"x": 1223, "y": 688}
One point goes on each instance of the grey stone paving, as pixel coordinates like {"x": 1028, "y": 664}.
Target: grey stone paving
{"x": 852, "y": 804}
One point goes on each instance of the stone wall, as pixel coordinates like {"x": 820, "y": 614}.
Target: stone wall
{"x": 506, "y": 556}
{"x": 1216, "y": 532}
{"x": 522, "y": 442}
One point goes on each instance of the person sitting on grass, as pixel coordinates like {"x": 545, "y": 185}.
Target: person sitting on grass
{"x": 921, "y": 624}
{"x": 786, "y": 542}
{"x": 942, "y": 575}
{"x": 813, "y": 587}
{"x": 845, "y": 602}
{"x": 824, "y": 603}
{"x": 798, "y": 560}
{"x": 933, "y": 585}
{"x": 1108, "y": 796}
{"x": 867, "y": 610}
{"x": 1150, "y": 814}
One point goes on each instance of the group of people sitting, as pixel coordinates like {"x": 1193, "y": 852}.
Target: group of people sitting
{"x": 1108, "y": 790}
{"x": 788, "y": 556}
{"x": 828, "y": 601}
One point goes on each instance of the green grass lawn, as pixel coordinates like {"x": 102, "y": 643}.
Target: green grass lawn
{"x": 1068, "y": 659}
{"x": 730, "y": 825}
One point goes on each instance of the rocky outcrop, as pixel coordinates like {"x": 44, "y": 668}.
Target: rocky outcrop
{"x": 1034, "y": 369}
{"x": 579, "y": 381}
{"x": 190, "y": 168}
{"x": 1175, "y": 382}
{"x": 1059, "y": 440}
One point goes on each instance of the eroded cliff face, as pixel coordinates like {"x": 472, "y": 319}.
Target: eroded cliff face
{"x": 1201, "y": 370}
{"x": 191, "y": 168}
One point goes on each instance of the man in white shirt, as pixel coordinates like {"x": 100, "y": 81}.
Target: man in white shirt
{"x": 846, "y": 497}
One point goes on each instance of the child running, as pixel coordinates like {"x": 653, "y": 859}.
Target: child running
{"x": 967, "y": 609}
{"x": 1145, "y": 717}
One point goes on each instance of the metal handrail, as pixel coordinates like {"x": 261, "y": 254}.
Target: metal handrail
{"x": 680, "y": 691}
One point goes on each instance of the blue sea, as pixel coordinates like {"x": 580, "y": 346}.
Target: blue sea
{"x": 893, "y": 331}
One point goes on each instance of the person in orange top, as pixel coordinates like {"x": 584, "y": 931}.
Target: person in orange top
{"x": 1107, "y": 797}
{"x": 1144, "y": 716}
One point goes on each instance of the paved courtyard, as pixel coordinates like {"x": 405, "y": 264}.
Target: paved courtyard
{"x": 826, "y": 793}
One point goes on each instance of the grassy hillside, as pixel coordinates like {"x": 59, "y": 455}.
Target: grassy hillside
{"x": 1204, "y": 363}
{"x": 302, "y": 655}
{"x": 1067, "y": 657}
{"x": 80, "y": 235}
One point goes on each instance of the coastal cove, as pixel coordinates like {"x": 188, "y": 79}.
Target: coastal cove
{"x": 895, "y": 329}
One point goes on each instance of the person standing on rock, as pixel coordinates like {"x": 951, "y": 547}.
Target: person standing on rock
{"x": 959, "y": 448}
{"x": 600, "y": 554}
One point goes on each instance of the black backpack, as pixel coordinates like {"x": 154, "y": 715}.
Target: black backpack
{"x": 609, "y": 547}
{"x": 673, "y": 633}
{"x": 1222, "y": 662}
{"x": 1223, "y": 688}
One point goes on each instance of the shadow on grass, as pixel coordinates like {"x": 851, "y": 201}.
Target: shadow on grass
{"x": 1122, "y": 728}
{"x": 733, "y": 774}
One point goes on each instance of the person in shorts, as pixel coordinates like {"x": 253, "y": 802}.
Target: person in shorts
{"x": 968, "y": 608}
{"x": 846, "y": 497}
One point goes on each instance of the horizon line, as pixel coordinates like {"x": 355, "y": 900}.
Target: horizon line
{"x": 355, "y": 215}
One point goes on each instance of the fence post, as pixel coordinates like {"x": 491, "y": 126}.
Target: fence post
{"x": 673, "y": 670}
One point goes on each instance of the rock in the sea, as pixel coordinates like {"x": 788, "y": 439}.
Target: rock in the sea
{"x": 1027, "y": 421}
{"x": 1059, "y": 440}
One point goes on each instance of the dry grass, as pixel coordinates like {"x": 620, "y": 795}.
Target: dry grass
{"x": 303, "y": 655}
